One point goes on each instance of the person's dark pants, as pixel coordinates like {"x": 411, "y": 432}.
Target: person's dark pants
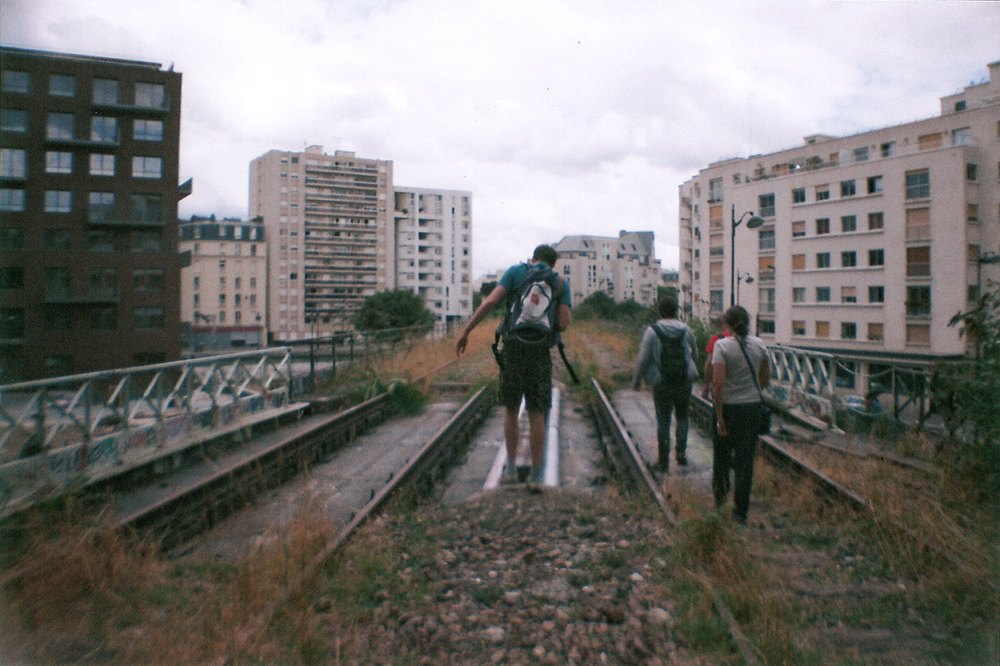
{"x": 736, "y": 452}
{"x": 671, "y": 397}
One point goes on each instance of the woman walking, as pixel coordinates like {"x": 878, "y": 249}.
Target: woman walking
{"x": 740, "y": 369}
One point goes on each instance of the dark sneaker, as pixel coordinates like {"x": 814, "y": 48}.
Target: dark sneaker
{"x": 510, "y": 474}
{"x": 535, "y": 479}
{"x": 682, "y": 460}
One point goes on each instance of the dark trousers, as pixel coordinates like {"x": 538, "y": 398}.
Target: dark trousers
{"x": 736, "y": 451}
{"x": 671, "y": 397}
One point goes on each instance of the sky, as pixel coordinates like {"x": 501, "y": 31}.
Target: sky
{"x": 561, "y": 117}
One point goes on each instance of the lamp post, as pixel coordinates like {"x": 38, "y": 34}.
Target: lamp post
{"x": 752, "y": 223}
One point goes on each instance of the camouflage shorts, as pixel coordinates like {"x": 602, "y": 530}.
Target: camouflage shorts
{"x": 527, "y": 372}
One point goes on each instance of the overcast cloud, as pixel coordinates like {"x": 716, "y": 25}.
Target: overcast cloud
{"x": 561, "y": 117}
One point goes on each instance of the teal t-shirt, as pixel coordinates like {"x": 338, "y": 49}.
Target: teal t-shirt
{"x": 513, "y": 276}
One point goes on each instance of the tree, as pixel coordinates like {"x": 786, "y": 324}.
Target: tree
{"x": 392, "y": 309}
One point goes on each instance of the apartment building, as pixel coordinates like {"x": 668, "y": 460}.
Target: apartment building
{"x": 433, "y": 237}
{"x": 329, "y": 237}
{"x": 88, "y": 212}
{"x": 224, "y": 285}
{"x": 869, "y": 244}
{"x": 624, "y": 267}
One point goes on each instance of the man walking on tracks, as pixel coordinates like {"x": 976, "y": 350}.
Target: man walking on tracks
{"x": 667, "y": 361}
{"x": 538, "y": 309}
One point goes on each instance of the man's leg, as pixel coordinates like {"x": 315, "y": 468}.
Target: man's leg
{"x": 511, "y": 434}
{"x": 536, "y": 437}
{"x": 661, "y": 404}
{"x": 681, "y": 401}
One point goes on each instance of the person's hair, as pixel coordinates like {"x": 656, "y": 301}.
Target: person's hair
{"x": 738, "y": 319}
{"x": 545, "y": 253}
{"x": 667, "y": 307}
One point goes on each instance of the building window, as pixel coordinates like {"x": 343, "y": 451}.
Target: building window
{"x": 11, "y": 238}
{"x": 146, "y": 241}
{"x": 875, "y": 331}
{"x": 798, "y": 228}
{"x": 848, "y": 188}
{"x": 101, "y": 241}
{"x": 715, "y": 300}
{"x": 918, "y": 334}
{"x": 798, "y": 294}
{"x": 15, "y": 82}
{"x": 765, "y": 327}
{"x": 918, "y": 301}
{"x": 103, "y": 283}
{"x": 918, "y": 261}
{"x": 148, "y": 318}
{"x": 972, "y": 213}
{"x": 58, "y": 318}
{"x": 848, "y": 330}
{"x": 102, "y": 165}
{"x": 147, "y": 130}
{"x": 822, "y": 192}
{"x": 13, "y": 120}
{"x": 874, "y": 184}
{"x": 876, "y": 294}
{"x": 148, "y": 280}
{"x": 58, "y": 201}
{"x": 876, "y": 257}
{"x": 715, "y": 190}
{"x": 766, "y": 204}
{"x": 150, "y": 96}
{"x": 849, "y": 294}
{"x": 971, "y": 172}
{"x": 822, "y": 294}
{"x": 11, "y": 201}
{"x": 766, "y": 299}
{"x": 888, "y": 148}
{"x": 147, "y": 208}
{"x": 822, "y": 226}
{"x": 822, "y": 260}
{"x": 104, "y": 129}
{"x": 57, "y": 239}
{"x": 848, "y": 223}
{"x": 861, "y": 154}
{"x": 57, "y": 283}
{"x": 58, "y": 162}
{"x": 822, "y": 329}
{"x": 60, "y": 126}
{"x": 104, "y": 318}
{"x": 100, "y": 206}
{"x": 147, "y": 167}
{"x": 106, "y": 92}
{"x": 766, "y": 239}
{"x": 799, "y": 195}
{"x": 961, "y": 137}
{"x": 929, "y": 141}
{"x": 62, "y": 85}
{"x": 849, "y": 259}
{"x": 875, "y": 221}
{"x": 798, "y": 327}
{"x": 918, "y": 223}
{"x": 918, "y": 184}
{"x": 798, "y": 262}
{"x": 11, "y": 277}
{"x": 12, "y": 163}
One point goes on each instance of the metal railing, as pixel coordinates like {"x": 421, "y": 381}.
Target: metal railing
{"x": 43, "y": 414}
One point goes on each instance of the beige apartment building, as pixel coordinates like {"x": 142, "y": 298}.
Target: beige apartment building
{"x": 329, "y": 237}
{"x": 624, "y": 268}
{"x": 870, "y": 243}
{"x": 224, "y": 285}
{"x": 433, "y": 248}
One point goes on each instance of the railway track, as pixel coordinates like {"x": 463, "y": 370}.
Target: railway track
{"x": 854, "y": 597}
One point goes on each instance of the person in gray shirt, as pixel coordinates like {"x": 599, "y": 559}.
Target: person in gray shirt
{"x": 737, "y": 406}
{"x": 666, "y": 361}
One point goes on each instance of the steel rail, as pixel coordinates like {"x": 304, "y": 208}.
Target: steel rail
{"x": 415, "y": 479}
{"x": 625, "y": 459}
{"x": 779, "y": 454}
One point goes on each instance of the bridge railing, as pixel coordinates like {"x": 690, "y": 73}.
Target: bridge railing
{"x": 179, "y": 396}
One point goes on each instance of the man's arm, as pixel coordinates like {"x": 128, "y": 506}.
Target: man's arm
{"x": 484, "y": 309}
{"x": 563, "y": 317}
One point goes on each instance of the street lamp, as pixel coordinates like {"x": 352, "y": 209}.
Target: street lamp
{"x": 752, "y": 223}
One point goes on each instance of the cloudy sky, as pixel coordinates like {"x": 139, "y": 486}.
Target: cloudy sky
{"x": 560, "y": 116}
